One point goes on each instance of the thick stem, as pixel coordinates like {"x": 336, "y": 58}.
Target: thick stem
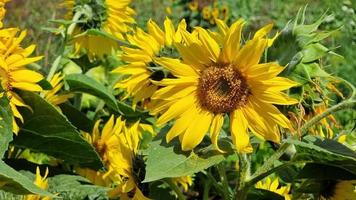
{"x": 244, "y": 174}
{"x": 175, "y": 188}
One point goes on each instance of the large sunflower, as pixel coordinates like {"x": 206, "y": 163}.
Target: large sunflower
{"x": 141, "y": 67}
{"x": 13, "y": 71}
{"x": 114, "y": 17}
{"x": 217, "y": 78}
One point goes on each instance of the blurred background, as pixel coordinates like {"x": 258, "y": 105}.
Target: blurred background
{"x": 34, "y": 15}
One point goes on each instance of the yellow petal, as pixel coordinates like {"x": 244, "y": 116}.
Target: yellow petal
{"x": 215, "y": 129}
{"x": 169, "y": 31}
{"x": 239, "y": 134}
{"x": 181, "y": 124}
{"x": 176, "y": 67}
{"x": 231, "y": 44}
{"x": 197, "y": 130}
{"x": 176, "y": 109}
{"x": 209, "y": 43}
{"x": 27, "y": 86}
{"x": 155, "y": 31}
{"x": 26, "y": 76}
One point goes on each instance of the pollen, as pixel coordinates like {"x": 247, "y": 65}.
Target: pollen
{"x": 222, "y": 89}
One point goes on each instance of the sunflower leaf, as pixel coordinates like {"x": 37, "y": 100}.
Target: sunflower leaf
{"x": 83, "y": 83}
{"x": 14, "y": 182}
{"x": 47, "y": 131}
{"x": 165, "y": 161}
{"x": 326, "y": 151}
{"x": 5, "y": 125}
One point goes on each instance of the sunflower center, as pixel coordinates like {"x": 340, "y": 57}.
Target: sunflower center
{"x": 222, "y": 89}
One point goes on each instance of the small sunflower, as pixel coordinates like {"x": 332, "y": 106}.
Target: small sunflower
{"x": 52, "y": 95}
{"x": 13, "y": 71}
{"x": 274, "y": 186}
{"x": 114, "y": 17}
{"x": 41, "y": 182}
{"x": 193, "y": 5}
{"x": 141, "y": 67}
{"x": 118, "y": 145}
{"x": 128, "y": 164}
{"x": 219, "y": 78}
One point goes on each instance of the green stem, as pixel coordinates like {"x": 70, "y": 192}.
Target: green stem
{"x": 223, "y": 178}
{"x": 175, "y": 188}
{"x": 217, "y": 186}
{"x": 270, "y": 162}
{"x": 244, "y": 173}
{"x": 207, "y": 186}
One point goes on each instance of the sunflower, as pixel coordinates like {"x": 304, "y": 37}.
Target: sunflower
{"x": 13, "y": 71}
{"x": 273, "y": 186}
{"x": 113, "y": 17}
{"x": 118, "y": 145}
{"x": 339, "y": 190}
{"x": 52, "y": 95}
{"x": 218, "y": 78}
{"x": 2, "y": 11}
{"x": 42, "y": 183}
{"x": 141, "y": 67}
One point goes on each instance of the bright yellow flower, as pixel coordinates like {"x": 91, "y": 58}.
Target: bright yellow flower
{"x": 273, "y": 186}
{"x": 225, "y": 13}
{"x": 42, "y": 183}
{"x": 52, "y": 95}
{"x": 13, "y": 70}
{"x": 111, "y": 16}
{"x": 118, "y": 146}
{"x": 184, "y": 181}
{"x": 218, "y": 78}
{"x": 340, "y": 190}
{"x": 128, "y": 164}
{"x": 141, "y": 67}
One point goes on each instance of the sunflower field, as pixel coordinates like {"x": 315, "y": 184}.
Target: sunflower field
{"x": 177, "y": 99}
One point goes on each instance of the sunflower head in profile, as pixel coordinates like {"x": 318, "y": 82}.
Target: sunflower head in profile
{"x": 218, "y": 78}
{"x": 141, "y": 68}
{"x": 128, "y": 165}
{"x": 13, "y": 71}
{"x": 113, "y": 17}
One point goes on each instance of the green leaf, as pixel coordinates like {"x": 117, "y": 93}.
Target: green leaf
{"x": 260, "y": 194}
{"x": 83, "y": 83}
{"x": 77, "y": 118}
{"x": 315, "y": 150}
{"x": 325, "y": 172}
{"x": 304, "y": 73}
{"x": 5, "y": 125}
{"x": 14, "y": 182}
{"x": 165, "y": 161}
{"x": 313, "y": 52}
{"x": 48, "y": 131}
{"x": 76, "y": 187}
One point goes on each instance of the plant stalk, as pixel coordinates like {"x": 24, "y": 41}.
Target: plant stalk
{"x": 175, "y": 188}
